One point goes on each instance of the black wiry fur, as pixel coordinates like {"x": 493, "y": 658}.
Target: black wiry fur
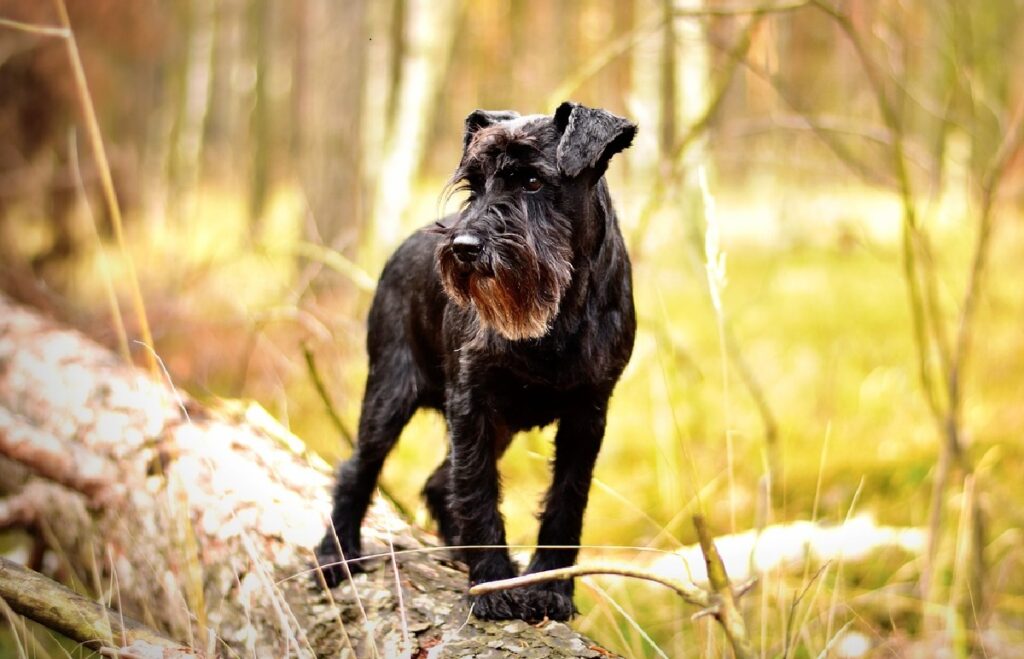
{"x": 532, "y": 327}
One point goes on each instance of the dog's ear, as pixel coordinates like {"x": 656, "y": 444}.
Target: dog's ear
{"x": 478, "y": 119}
{"x": 590, "y": 137}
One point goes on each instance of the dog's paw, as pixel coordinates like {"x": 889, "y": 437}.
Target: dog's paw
{"x": 549, "y": 600}
{"x": 335, "y": 569}
{"x": 500, "y": 605}
{"x": 533, "y": 604}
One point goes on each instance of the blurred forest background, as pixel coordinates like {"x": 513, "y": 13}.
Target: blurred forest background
{"x": 823, "y": 205}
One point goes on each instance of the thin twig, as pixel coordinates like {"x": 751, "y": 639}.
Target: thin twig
{"x": 821, "y": 130}
{"x": 341, "y": 428}
{"x": 721, "y": 603}
{"x": 337, "y": 261}
{"x": 653, "y": 23}
{"x": 739, "y": 10}
{"x": 993, "y": 178}
{"x": 790, "y": 631}
{"x": 735, "y": 57}
{"x": 33, "y": 28}
{"x": 690, "y": 593}
{"x": 604, "y": 57}
{"x": 827, "y": 124}
{"x": 325, "y": 397}
{"x": 450, "y": 548}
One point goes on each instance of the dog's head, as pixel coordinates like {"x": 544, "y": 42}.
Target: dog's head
{"x": 532, "y": 191}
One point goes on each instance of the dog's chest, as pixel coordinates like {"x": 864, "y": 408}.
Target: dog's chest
{"x": 526, "y": 404}
{"x": 533, "y": 388}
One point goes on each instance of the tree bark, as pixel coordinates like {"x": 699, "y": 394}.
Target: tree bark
{"x": 198, "y": 521}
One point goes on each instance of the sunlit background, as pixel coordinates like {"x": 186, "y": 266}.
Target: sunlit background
{"x": 819, "y": 321}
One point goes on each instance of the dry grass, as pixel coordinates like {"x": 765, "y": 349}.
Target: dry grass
{"x": 822, "y": 323}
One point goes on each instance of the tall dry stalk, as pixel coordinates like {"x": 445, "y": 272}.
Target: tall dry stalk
{"x": 92, "y": 129}
{"x": 91, "y": 124}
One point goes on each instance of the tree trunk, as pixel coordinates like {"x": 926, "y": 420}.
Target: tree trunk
{"x": 332, "y": 161}
{"x": 198, "y": 522}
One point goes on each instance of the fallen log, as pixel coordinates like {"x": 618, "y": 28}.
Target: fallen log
{"x": 198, "y": 521}
{"x": 63, "y": 610}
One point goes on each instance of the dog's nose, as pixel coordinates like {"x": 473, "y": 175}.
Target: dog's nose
{"x": 466, "y": 247}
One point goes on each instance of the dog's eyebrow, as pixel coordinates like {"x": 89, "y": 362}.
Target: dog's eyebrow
{"x": 523, "y": 149}
{"x": 490, "y": 143}
{"x": 526, "y": 150}
{"x": 489, "y": 138}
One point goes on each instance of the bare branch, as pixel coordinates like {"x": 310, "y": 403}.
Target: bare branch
{"x": 604, "y": 57}
{"x": 736, "y": 55}
{"x": 740, "y": 10}
{"x": 325, "y": 397}
{"x": 823, "y": 125}
{"x": 690, "y": 593}
{"x": 722, "y": 603}
{"x": 727, "y": 613}
{"x": 339, "y": 425}
{"x": 1010, "y": 146}
{"x": 336, "y": 261}
{"x": 32, "y": 28}
{"x": 927, "y": 326}
{"x": 52, "y": 605}
{"x": 655, "y": 22}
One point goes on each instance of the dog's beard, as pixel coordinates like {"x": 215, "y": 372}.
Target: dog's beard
{"x": 514, "y": 289}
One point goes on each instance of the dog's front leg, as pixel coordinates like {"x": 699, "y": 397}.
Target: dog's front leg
{"x": 577, "y": 443}
{"x": 476, "y": 442}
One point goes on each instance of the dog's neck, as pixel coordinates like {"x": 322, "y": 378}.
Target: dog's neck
{"x": 592, "y": 254}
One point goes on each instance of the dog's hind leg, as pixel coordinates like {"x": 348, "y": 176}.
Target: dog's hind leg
{"x": 389, "y": 402}
{"x": 436, "y": 492}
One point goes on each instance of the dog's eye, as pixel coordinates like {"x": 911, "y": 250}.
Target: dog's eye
{"x": 532, "y": 184}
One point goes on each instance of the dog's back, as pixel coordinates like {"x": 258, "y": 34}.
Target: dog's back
{"x": 404, "y": 327}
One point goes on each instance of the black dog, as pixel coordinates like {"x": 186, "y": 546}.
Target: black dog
{"x": 513, "y": 313}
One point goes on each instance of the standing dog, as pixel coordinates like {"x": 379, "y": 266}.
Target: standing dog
{"x": 513, "y": 313}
